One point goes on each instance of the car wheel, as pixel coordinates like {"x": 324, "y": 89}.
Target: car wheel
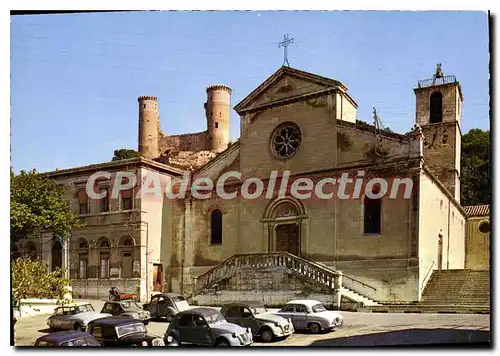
{"x": 267, "y": 335}
{"x": 314, "y": 328}
{"x": 222, "y": 343}
{"x": 78, "y": 326}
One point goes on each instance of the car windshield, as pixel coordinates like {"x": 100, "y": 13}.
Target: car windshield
{"x": 85, "y": 308}
{"x": 45, "y": 343}
{"x": 259, "y": 310}
{"x": 318, "y": 308}
{"x": 81, "y": 342}
{"x": 130, "y": 329}
{"x": 214, "y": 318}
{"x": 65, "y": 311}
{"x": 130, "y": 304}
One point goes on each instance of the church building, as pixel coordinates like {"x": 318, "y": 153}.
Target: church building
{"x": 370, "y": 242}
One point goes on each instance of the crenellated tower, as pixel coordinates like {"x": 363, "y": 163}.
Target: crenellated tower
{"x": 148, "y": 127}
{"x": 438, "y": 109}
{"x": 218, "y": 111}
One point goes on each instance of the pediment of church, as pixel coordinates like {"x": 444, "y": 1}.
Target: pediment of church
{"x": 286, "y": 83}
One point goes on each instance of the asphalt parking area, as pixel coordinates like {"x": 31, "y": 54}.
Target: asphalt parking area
{"x": 360, "y": 329}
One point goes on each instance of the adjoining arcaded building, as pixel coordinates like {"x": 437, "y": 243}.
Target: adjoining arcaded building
{"x": 386, "y": 248}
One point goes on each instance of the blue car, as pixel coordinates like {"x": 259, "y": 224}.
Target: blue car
{"x": 67, "y": 338}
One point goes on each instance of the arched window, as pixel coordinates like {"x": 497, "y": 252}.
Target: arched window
{"x": 126, "y": 241}
{"x": 104, "y": 242}
{"x": 373, "y": 213}
{"x": 216, "y": 227}
{"x": 436, "y": 108}
{"x": 126, "y": 244}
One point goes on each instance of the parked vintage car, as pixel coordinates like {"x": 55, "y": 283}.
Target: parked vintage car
{"x": 123, "y": 331}
{"x": 166, "y": 305}
{"x": 264, "y": 324}
{"x": 127, "y": 308}
{"x": 311, "y": 315}
{"x": 67, "y": 338}
{"x": 73, "y": 317}
{"x": 206, "y": 327}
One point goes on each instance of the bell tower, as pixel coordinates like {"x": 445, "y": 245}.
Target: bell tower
{"x": 438, "y": 109}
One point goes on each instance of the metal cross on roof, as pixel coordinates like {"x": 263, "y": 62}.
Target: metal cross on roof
{"x": 285, "y": 43}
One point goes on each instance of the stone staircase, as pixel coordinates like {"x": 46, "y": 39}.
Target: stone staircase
{"x": 356, "y": 297}
{"x": 461, "y": 288}
{"x": 448, "y": 291}
{"x": 306, "y": 270}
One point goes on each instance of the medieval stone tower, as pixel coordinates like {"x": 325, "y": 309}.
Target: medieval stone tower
{"x": 217, "y": 109}
{"x": 148, "y": 126}
{"x": 438, "y": 106}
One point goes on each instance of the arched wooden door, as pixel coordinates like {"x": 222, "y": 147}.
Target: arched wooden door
{"x": 288, "y": 238}
{"x": 56, "y": 255}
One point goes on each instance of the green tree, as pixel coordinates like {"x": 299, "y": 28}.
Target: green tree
{"x": 475, "y": 177}
{"x": 30, "y": 279}
{"x": 124, "y": 153}
{"x": 38, "y": 204}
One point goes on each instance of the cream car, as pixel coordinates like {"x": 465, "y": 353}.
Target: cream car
{"x": 311, "y": 315}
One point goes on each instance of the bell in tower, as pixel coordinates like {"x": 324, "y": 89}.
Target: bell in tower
{"x": 438, "y": 110}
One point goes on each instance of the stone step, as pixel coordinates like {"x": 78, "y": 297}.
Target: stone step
{"x": 436, "y": 309}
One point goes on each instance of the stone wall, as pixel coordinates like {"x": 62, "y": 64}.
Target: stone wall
{"x": 478, "y": 245}
{"x": 193, "y": 142}
{"x": 99, "y": 288}
{"x": 439, "y": 215}
{"x": 271, "y": 286}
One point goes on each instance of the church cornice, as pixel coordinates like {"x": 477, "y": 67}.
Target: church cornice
{"x": 289, "y": 100}
{"x": 114, "y": 165}
{"x": 294, "y": 73}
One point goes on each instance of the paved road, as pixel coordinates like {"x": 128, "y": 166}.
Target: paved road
{"x": 360, "y": 329}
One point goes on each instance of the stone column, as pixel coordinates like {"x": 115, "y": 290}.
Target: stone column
{"x": 337, "y": 285}
{"x": 65, "y": 258}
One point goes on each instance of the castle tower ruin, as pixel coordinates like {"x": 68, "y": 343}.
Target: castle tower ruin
{"x": 148, "y": 127}
{"x": 217, "y": 110}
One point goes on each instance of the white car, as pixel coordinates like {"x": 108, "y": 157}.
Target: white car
{"x": 73, "y": 317}
{"x": 311, "y": 315}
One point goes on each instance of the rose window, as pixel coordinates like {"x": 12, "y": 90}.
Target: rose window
{"x": 286, "y": 140}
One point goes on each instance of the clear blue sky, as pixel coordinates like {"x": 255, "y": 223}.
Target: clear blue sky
{"x": 75, "y": 78}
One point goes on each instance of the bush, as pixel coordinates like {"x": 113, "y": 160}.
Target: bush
{"x": 31, "y": 279}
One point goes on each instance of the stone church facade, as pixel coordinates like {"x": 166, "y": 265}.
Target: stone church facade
{"x": 295, "y": 122}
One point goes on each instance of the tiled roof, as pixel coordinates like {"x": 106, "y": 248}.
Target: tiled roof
{"x": 477, "y": 210}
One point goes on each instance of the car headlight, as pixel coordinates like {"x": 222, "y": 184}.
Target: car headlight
{"x": 144, "y": 343}
{"x": 158, "y": 342}
{"x": 170, "y": 339}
